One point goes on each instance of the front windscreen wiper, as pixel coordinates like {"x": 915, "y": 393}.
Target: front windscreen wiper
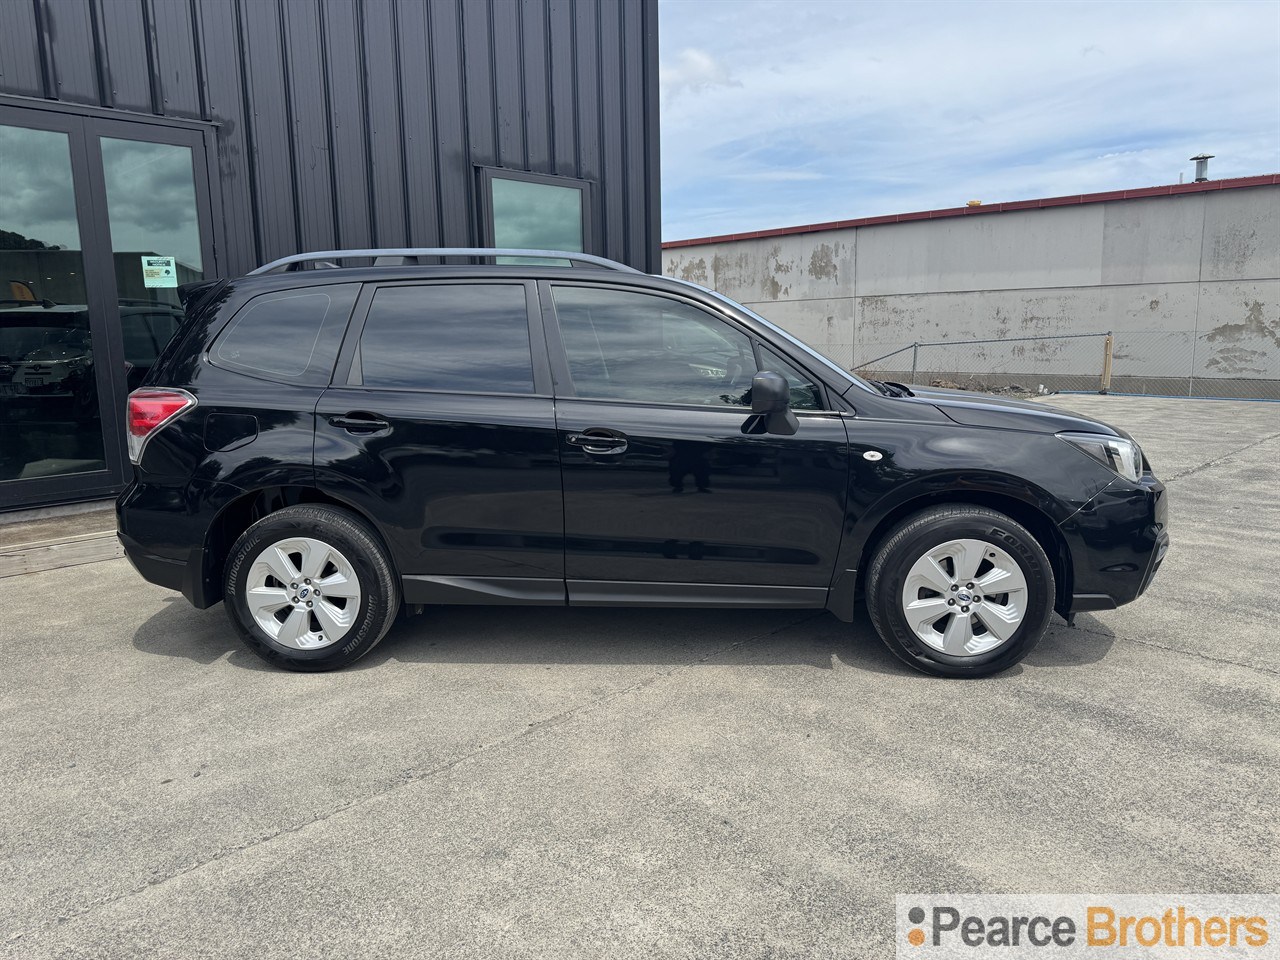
{"x": 890, "y": 389}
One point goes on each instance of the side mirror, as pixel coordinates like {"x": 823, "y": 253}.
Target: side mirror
{"x": 770, "y": 393}
{"x": 771, "y": 406}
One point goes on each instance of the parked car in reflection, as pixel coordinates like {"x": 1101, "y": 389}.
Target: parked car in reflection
{"x": 61, "y": 367}
{"x": 46, "y": 349}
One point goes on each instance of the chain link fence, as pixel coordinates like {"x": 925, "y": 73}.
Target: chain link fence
{"x": 841, "y": 354}
{"x": 1153, "y": 362}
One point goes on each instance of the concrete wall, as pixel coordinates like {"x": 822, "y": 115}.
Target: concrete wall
{"x": 1190, "y": 283}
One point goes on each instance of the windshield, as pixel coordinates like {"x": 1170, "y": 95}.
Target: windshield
{"x": 798, "y": 344}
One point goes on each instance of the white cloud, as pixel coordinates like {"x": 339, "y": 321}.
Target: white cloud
{"x": 777, "y": 113}
{"x": 692, "y": 71}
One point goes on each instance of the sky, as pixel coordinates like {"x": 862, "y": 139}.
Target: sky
{"x": 785, "y": 112}
{"x": 150, "y": 193}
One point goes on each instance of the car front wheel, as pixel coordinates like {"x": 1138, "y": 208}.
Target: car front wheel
{"x": 960, "y": 591}
{"x": 310, "y": 588}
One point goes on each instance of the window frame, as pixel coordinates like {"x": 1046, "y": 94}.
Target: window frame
{"x": 564, "y": 387}
{"x": 814, "y": 382}
{"x": 344, "y": 373}
{"x": 486, "y": 176}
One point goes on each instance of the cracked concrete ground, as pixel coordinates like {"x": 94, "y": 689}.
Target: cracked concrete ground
{"x": 561, "y": 784}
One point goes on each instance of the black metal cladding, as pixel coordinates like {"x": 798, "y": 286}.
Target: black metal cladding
{"x": 360, "y": 123}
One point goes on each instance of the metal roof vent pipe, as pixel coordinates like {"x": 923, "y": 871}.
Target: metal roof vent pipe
{"x": 1202, "y": 166}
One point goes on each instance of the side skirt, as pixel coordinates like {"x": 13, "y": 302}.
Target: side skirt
{"x": 606, "y": 593}
{"x": 483, "y": 590}
{"x": 626, "y": 593}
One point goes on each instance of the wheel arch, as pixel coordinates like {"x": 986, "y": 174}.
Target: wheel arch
{"x": 1038, "y": 523}
{"x": 251, "y": 506}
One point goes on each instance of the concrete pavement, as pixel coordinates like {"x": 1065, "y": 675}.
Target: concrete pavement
{"x": 555, "y": 783}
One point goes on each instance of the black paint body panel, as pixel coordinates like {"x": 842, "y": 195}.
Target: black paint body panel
{"x": 459, "y": 485}
{"x": 693, "y": 500}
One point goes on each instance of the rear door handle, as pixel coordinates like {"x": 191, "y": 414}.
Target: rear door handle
{"x": 360, "y": 422}
{"x": 598, "y": 442}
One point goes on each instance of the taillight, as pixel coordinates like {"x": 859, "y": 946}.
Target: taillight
{"x": 149, "y": 410}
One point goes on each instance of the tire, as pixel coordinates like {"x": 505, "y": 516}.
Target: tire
{"x": 310, "y": 588}
{"x": 924, "y": 566}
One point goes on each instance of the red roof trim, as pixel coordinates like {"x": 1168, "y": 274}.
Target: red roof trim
{"x": 1173, "y": 189}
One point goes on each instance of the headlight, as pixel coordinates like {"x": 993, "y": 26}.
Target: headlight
{"x": 1122, "y": 456}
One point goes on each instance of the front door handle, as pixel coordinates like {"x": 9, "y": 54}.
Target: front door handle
{"x": 360, "y": 422}
{"x": 597, "y": 442}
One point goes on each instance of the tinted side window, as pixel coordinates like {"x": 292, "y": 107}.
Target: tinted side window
{"x": 289, "y": 335}
{"x": 634, "y": 346}
{"x": 805, "y": 394}
{"x": 471, "y": 338}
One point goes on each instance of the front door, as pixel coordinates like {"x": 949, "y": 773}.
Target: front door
{"x": 661, "y": 484}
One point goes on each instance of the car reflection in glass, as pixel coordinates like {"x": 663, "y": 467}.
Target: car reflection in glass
{"x": 46, "y": 351}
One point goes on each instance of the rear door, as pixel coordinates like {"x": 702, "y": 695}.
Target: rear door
{"x": 441, "y": 426}
{"x": 662, "y": 486}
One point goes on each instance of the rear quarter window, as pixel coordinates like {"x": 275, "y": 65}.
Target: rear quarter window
{"x": 291, "y": 336}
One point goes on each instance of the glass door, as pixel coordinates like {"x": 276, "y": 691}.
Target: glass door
{"x": 155, "y": 209}
{"x": 100, "y": 221}
{"x": 51, "y": 334}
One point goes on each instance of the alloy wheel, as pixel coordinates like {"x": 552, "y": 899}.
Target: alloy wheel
{"x": 303, "y": 593}
{"x": 965, "y": 597}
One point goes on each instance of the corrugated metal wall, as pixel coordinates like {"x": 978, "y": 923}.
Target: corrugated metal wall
{"x": 355, "y": 123}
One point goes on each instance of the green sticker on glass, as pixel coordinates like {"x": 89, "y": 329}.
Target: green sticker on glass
{"x": 159, "y": 272}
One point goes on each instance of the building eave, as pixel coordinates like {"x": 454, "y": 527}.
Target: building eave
{"x": 1169, "y": 190}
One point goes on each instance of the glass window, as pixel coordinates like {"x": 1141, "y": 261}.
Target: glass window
{"x": 151, "y": 207}
{"x": 633, "y": 346}
{"x": 49, "y": 414}
{"x": 292, "y": 335}
{"x": 155, "y": 242}
{"x": 466, "y": 338}
{"x": 146, "y": 331}
{"x": 805, "y": 394}
{"x": 536, "y": 216}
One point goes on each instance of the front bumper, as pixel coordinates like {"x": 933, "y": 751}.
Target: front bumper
{"x": 1117, "y": 543}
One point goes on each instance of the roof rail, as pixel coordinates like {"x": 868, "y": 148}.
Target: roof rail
{"x": 413, "y": 253}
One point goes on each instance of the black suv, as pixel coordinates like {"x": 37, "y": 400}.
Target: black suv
{"x": 320, "y": 446}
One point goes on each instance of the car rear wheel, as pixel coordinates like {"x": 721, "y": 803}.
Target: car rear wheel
{"x": 310, "y": 588}
{"x": 960, "y": 591}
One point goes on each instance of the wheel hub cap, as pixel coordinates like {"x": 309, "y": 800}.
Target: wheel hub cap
{"x": 965, "y": 597}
